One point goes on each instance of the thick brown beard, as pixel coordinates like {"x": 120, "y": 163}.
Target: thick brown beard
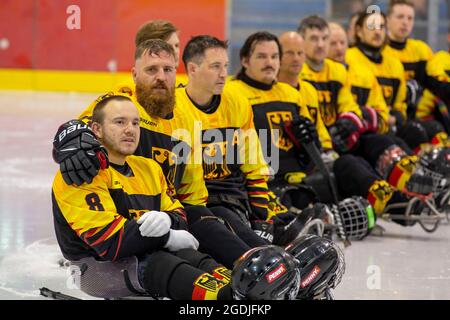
{"x": 156, "y": 104}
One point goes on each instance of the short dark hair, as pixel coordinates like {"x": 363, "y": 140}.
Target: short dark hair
{"x": 155, "y": 29}
{"x": 196, "y": 47}
{"x": 362, "y": 18}
{"x": 393, "y": 3}
{"x": 250, "y": 43}
{"x": 153, "y": 46}
{"x": 97, "y": 114}
{"x": 312, "y": 22}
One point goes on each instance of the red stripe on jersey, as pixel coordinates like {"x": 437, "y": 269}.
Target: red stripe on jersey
{"x": 108, "y": 232}
{"x": 252, "y": 182}
{"x": 182, "y": 197}
{"x": 256, "y": 193}
{"x": 119, "y": 243}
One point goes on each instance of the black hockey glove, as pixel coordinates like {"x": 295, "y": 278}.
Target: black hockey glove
{"x": 346, "y": 131}
{"x": 78, "y": 153}
{"x": 413, "y": 93}
{"x": 371, "y": 119}
{"x": 301, "y": 131}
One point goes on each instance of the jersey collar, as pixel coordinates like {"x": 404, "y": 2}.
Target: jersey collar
{"x": 399, "y": 45}
{"x": 253, "y": 83}
{"x": 211, "y": 107}
{"x": 374, "y": 54}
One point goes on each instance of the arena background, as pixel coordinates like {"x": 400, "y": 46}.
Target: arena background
{"x": 38, "y": 51}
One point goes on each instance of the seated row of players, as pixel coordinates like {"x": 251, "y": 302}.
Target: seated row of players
{"x": 231, "y": 166}
{"x": 101, "y": 218}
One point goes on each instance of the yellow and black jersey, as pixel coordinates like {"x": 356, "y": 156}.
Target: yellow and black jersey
{"x": 367, "y": 92}
{"x": 438, "y": 67}
{"x": 99, "y": 219}
{"x": 413, "y": 54}
{"x": 273, "y": 105}
{"x": 311, "y": 100}
{"x": 333, "y": 90}
{"x": 389, "y": 73}
{"x": 172, "y": 151}
{"x": 233, "y": 162}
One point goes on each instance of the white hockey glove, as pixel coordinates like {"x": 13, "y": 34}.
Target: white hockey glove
{"x": 154, "y": 224}
{"x": 181, "y": 239}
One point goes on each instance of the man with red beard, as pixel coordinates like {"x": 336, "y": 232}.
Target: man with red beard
{"x": 81, "y": 155}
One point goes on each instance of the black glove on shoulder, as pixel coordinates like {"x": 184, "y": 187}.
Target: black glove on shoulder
{"x": 78, "y": 153}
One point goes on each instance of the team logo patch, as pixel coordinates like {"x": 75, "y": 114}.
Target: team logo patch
{"x": 168, "y": 161}
{"x": 275, "y": 274}
{"x": 214, "y": 160}
{"x": 276, "y": 120}
{"x": 224, "y": 272}
{"x": 209, "y": 283}
{"x": 327, "y": 108}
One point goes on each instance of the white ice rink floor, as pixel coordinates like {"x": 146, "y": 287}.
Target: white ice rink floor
{"x": 405, "y": 263}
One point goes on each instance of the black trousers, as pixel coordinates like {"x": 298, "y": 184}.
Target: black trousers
{"x": 172, "y": 274}
{"x": 225, "y": 245}
{"x": 372, "y": 146}
{"x": 417, "y": 132}
{"x": 354, "y": 175}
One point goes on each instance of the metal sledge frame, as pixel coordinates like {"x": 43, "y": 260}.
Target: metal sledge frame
{"x": 429, "y": 222}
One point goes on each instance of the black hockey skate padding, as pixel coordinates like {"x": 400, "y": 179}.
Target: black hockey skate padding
{"x": 244, "y": 232}
{"x": 167, "y": 275}
{"x": 214, "y": 237}
{"x": 432, "y": 127}
{"x": 372, "y": 146}
{"x": 413, "y": 133}
{"x": 354, "y": 175}
{"x": 198, "y": 259}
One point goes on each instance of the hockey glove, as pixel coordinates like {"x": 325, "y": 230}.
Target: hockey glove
{"x": 413, "y": 92}
{"x": 346, "y": 131}
{"x": 154, "y": 224}
{"x": 78, "y": 153}
{"x": 301, "y": 131}
{"x": 181, "y": 239}
{"x": 371, "y": 119}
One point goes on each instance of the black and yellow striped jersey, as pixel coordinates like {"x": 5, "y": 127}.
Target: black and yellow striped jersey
{"x": 172, "y": 151}
{"x": 99, "y": 219}
{"x": 233, "y": 162}
{"x": 333, "y": 90}
{"x": 311, "y": 100}
{"x": 413, "y": 54}
{"x": 389, "y": 73}
{"x": 272, "y": 105}
{"x": 439, "y": 67}
{"x": 367, "y": 92}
